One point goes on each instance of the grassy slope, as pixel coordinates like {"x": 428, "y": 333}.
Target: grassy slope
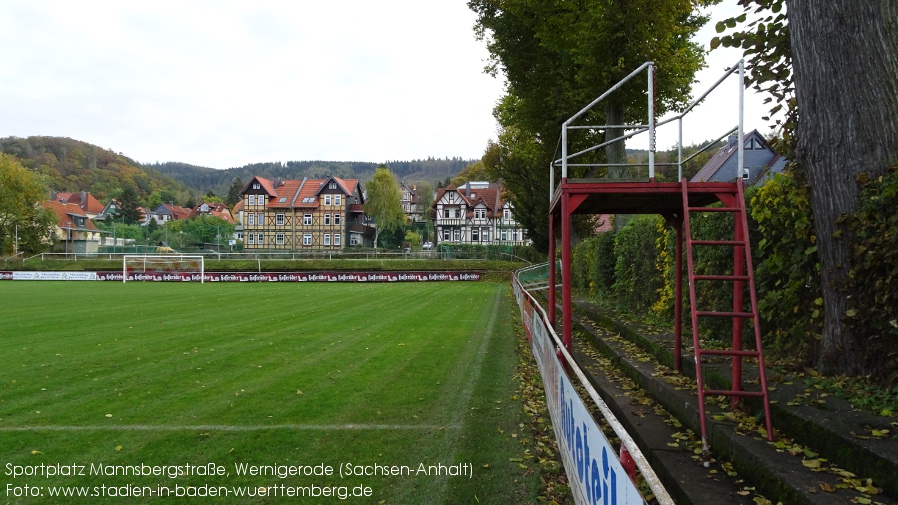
{"x": 311, "y": 373}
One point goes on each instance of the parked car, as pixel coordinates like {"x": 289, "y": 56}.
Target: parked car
{"x": 427, "y": 245}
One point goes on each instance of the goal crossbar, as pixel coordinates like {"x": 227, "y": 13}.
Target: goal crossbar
{"x": 172, "y": 263}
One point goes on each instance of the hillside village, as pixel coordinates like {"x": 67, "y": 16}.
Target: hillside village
{"x": 307, "y": 214}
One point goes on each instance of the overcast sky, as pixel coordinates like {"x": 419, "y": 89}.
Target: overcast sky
{"x": 223, "y": 84}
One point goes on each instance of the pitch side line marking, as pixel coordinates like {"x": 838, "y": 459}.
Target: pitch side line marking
{"x": 219, "y": 427}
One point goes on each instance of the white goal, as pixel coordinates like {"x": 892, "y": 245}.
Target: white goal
{"x": 167, "y": 264}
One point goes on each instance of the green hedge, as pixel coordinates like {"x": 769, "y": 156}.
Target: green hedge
{"x": 633, "y": 269}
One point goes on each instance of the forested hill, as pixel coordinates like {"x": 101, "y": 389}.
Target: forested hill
{"x": 70, "y": 165}
{"x": 206, "y": 179}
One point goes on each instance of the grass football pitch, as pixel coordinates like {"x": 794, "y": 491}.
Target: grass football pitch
{"x": 260, "y": 393}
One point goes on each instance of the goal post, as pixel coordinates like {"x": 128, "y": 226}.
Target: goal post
{"x": 165, "y": 263}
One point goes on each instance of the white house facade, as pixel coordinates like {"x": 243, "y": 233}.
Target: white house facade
{"x": 476, "y": 213}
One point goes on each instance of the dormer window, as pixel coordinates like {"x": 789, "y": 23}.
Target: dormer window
{"x": 332, "y": 185}
{"x": 256, "y": 185}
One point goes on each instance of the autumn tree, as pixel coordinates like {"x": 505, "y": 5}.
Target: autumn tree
{"x": 476, "y": 171}
{"x": 834, "y": 67}
{"x": 558, "y": 56}
{"x": 383, "y": 202}
{"x": 847, "y": 126}
{"x": 24, "y": 224}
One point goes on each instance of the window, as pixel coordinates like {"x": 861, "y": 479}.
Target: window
{"x": 252, "y": 200}
{"x": 353, "y": 240}
{"x": 337, "y": 239}
{"x": 337, "y": 219}
{"x": 327, "y": 220}
{"x": 260, "y": 219}
{"x": 457, "y": 235}
{"x": 446, "y": 236}
{"x": 308, "y": 199}
{"x": 251, "y": 238}
{"x": 279, "y": 238}
{"x": 327, "y": 199}
{"x": 475, "y": 234}
{"x": 256, "y": 185}
{"x": 250, "y": 219}
{"x": 745, "y": 174}
{"x": 307, "y": 239}
{"x": 327, "y": 239}
{"x": 261, "y": 239}
{"x": 446, "y": 213}
{"x": 332, "y": 185}
{"x": 485, "y": 235}
{"x": 307, "y": 219}
{"x": 504, "y": 235}
{"x": 260, "y": 200}
{"x": 338, "y": 199}
{"x": 279, "y": 219}
{"x": 283, "y": 199}
{"x": 506, "y": 214}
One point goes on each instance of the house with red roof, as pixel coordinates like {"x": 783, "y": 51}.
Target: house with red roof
{"x": 166, "y": 212}
{"x": 303, "y": 215}
{"x": 89, "y": 206}
{"x": 219, "y": 210}
{"x": 74, "y": 231}
{"x": 476, "y": 213}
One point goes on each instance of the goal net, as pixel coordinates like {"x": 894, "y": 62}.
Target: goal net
{"x": 170, "y": 264}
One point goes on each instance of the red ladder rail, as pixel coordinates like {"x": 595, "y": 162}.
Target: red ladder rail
{"x": 743, "y": 272}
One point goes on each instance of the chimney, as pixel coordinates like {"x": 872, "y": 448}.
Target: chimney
{"x": 731, "y": 141}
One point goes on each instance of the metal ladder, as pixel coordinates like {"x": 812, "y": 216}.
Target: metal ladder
{"x": 733, "y": 203}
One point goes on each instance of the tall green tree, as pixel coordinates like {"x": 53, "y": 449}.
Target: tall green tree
{"x": 557, "y": 56}
{"x": 383, "y": 203}
{"x": 24, "y": 224}
{"x": 208, "y": 230}
{"x": 234, "y": 192}
{"x": 130, "y": 205}
{"x": 833, "y": 66}
{"x": 426, "y": 195}
{"x": 847, "y": 126}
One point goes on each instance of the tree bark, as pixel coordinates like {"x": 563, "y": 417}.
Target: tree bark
{"x": 616, "y": 152}
{"x": 845, "y": 62}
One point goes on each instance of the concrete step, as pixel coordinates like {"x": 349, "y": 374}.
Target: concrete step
{"x": 781, "y": 471}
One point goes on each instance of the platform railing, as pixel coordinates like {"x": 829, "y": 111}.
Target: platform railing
{"x": 650, "y": 126}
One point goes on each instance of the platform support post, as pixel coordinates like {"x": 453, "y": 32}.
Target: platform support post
{"x": 552, "y": 281}
{"x": 565, "y": 266}
{"x": 678, "y": 297}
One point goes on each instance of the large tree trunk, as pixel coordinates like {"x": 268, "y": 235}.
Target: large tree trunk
{"x": 616, "y": 152}
{"x": 845, "y": 62}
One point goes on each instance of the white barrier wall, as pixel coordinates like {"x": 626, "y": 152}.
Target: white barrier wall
{"x": 593, "y": 469}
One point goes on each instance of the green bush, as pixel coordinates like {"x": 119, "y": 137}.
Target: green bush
{"x": 787, "y": 273}
{"x": 637, "y": 280}
{"x": 873, "y": 279}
